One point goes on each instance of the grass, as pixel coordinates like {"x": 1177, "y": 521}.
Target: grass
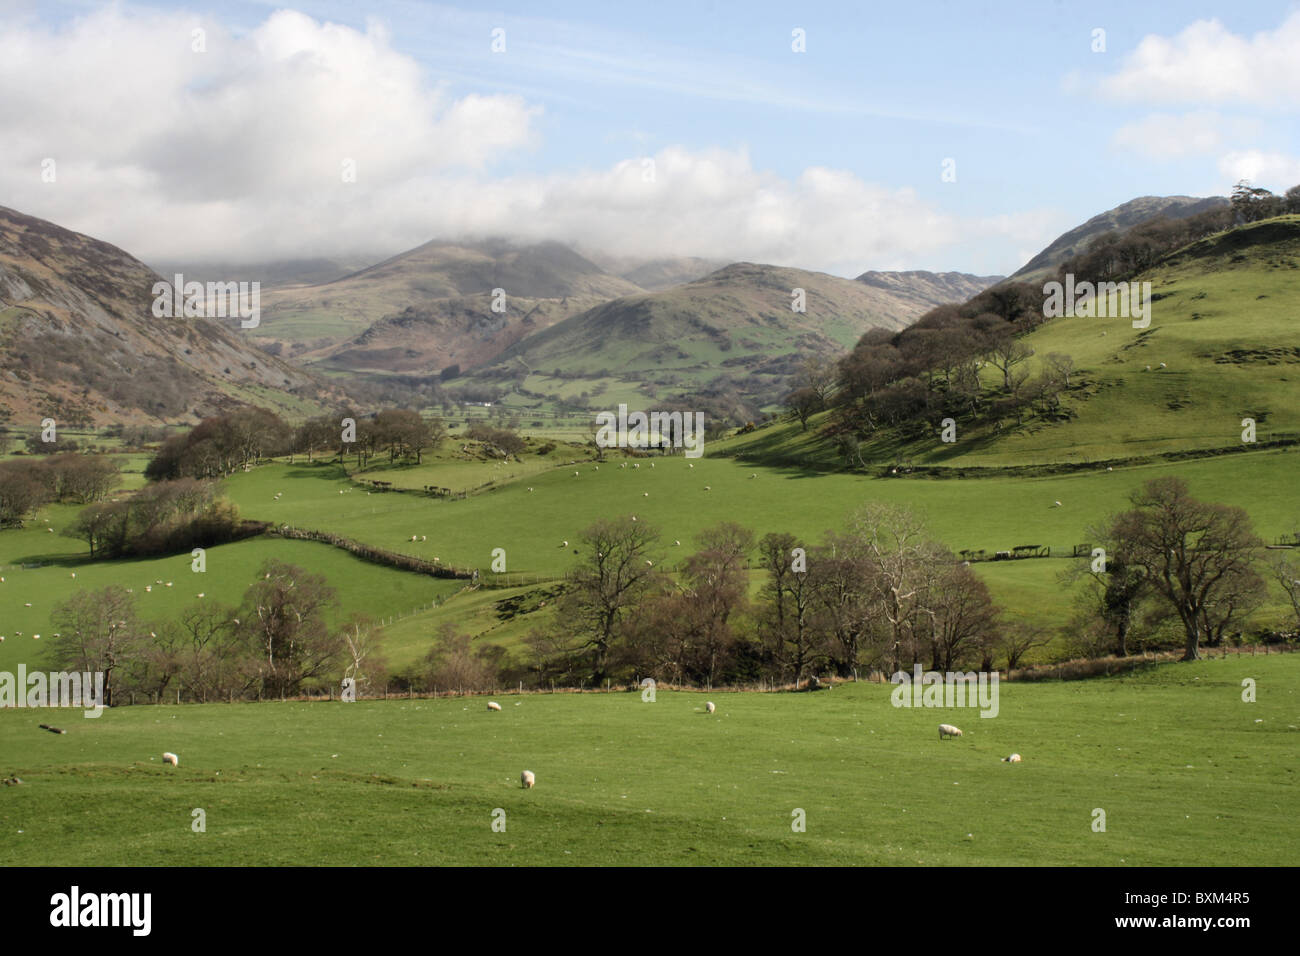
{"x": 360, "y": 586}
{"x": 1186, "y": 773}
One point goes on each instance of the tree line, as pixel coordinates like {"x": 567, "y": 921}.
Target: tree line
{"x": 224, "y": 444}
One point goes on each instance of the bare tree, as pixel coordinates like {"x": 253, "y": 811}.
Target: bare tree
{"x": 283, "y": 622}
{"x": 615, "y": 572}
{"x": 1005, "y": 354}
{"x": 786, "y": 617}
{"x": 97, "y": 631}
{"x": 1194, "y": 553}
{"x": 1059, "y": 367}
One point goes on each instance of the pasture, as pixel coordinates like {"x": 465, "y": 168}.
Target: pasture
{"x": 1186, "y": 772}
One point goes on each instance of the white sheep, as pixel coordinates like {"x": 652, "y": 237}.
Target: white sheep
{"x": 575, "y": 474}
{"x": 564, "y": 544}
{"x": 689, "y": 465}
{"x": 707, "y": 488}
{"x": 1014, "y": 758}
{"x": 710, "y": 707}
{"x": 415, "y": 537}
{"x": 1056, "y": 504}
{"x": 172, "y": 759}
{"x": 636, "y": 466}
{"x": 424, "y": 537}
{"x": 527, "y": 779}
{"x": 644, "y": 494}
{"x": 1162, "y": 365}
{"x": 677, "y": 544}
{"x": 493, "y": 705}
{"x": 948, "y": 730}
{"x": 530, "y": 489}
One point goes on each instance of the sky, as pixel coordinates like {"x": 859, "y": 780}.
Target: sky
{"x": 950, "y": 136}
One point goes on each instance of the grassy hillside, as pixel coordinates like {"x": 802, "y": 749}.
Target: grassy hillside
{"x": 1180, "y": 765}
{"x": 1225, "y": 327}
{"x": 732, "y": 330}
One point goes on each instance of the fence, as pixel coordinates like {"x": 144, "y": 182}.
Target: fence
{"x": 392, "y": 559}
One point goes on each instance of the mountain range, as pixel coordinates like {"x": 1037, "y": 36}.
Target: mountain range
{"x": 78, "y": 340}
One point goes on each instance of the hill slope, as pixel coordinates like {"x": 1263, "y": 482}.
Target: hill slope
{"x": 1122, "y": 217}
{"x": 925, "y": 290}
{"x": 1224, "y": 325}
{"x": 79, "y": 342}
{"x": 432, "y": 306}
{"x": 732, "y": 331}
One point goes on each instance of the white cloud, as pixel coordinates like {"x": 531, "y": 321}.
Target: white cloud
{"x": 236, "y": 153}
{"x": 1208, "y": 63}
{"x": 1275, "y": 171}
{"x": 1163, "y": 136}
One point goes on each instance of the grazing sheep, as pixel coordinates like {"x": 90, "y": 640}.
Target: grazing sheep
{"x": 689, "y": 465}
{"x": 1057, "y": 504}
{"x": 493, "y": 705}
{"x": 948, "y": 730}
{"x": 564, "y": 544}
{"x": 707, "y": 488}
{"x": 1014, "y": 758}
{"x": 650, "y": 564}
{"x": 677, "y": 544}
{"x": 753, "y": 476}
{"x": 527, "y": 779}
{"x": 148, "y": 587}
{"x": 1162, "y": 364}
{"x": 636, "y": 466}
{"x": 424, "y": 537}
{"x": 575, "y": 474}
{"x": 74, "y": 574}
{"x": 172, "y": 759}
{"x": 530, "y": 489}
{"x": 200, "y": 594}
{"x": 634, "y": 517}
{"x": 652, "y": 464}
{"x": 414, "y": 537}
{"x": 1147, "y": 369}
{"x": 710, "y": 707}
{"x": 644, "y": 494}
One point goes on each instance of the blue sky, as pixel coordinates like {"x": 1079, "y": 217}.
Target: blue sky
{"x": 827, "y": 159}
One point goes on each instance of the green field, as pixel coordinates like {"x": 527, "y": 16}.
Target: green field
{"x": 1186, "y": 772}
